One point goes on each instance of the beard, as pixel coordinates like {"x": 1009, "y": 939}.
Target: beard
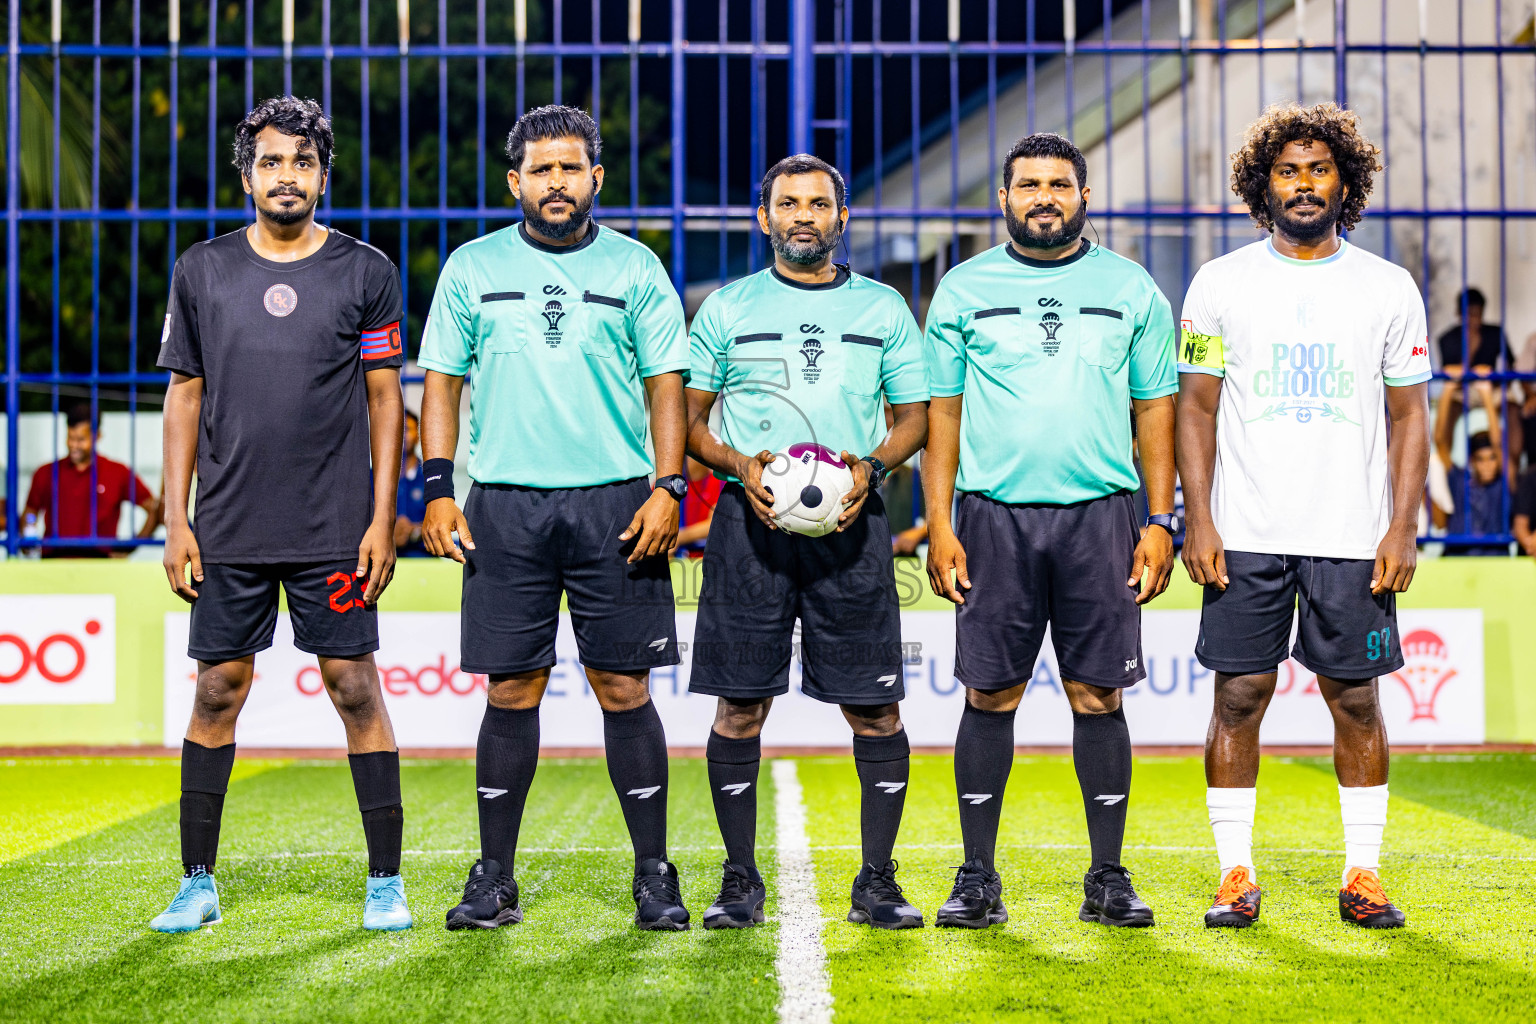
{"x": 804, "y": 252}
{"x": 285, "y": 217}
{"x": 1027, "y": 236}
{"x": 581, "y": 211}
{"x": 1305, "y": 231}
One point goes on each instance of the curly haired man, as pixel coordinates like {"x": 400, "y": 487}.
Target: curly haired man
{"x": 1294, "y": 485}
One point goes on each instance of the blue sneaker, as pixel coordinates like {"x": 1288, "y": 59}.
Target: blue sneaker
{"x": 385, "y": 909}
{"x": 196, "y": 904}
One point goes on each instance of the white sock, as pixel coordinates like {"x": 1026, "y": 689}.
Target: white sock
{"x": 1231, "y": 812}
{"x": 1365, "y": 816}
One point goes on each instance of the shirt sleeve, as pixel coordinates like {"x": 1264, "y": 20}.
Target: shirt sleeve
{"x": 1200, "y": 344}
{"x": 181, "y": 348}
{"x": 380, "y": 339}
{"x": 1405, "y": 360}
{"x": 1152, "y": 370}
{"x": 707, "y": 346}
{"x": 40, "y": 494}
{"x": 656, "y": 323}
{"x": 448, "y": 341}
{"x": 944, "y": 345}
{"x": 903, "y": 367}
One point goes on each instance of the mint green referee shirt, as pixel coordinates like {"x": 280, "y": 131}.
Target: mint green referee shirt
{"x": 806, "y": 363}
{"x": 558, "y": 341}
{"x": 1048, "y": 355}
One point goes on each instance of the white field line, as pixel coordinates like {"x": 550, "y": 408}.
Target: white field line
{"x": 358, "y": 853}
{"x": 805, "y": 993}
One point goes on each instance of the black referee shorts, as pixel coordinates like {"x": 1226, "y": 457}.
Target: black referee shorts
{"x": 757, "y": 582}
{"x": 235, "y": 613}
{"x": 1062, "y": 565}
{"x": 533, "y": 543}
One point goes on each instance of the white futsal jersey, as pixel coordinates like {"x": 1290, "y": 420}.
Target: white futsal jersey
{"x": 1306, "y": 348}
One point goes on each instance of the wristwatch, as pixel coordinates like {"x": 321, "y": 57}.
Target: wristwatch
{"x": 675, "y": 485}
{"x": 876, "y": 471}
{"x": 1168, "y": 521}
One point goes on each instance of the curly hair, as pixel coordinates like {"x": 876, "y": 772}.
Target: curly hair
{"x": 1284, "y": 123}
{"x": 291, "y": 116}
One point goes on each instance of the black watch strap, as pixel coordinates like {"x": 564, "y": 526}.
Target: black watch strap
{"x": 1167, "y": 520}
{"x": 675, "y": 485}
{"x": 876, "y": 471}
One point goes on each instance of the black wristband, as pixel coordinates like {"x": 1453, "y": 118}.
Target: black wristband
{"x": 437, "y": 479}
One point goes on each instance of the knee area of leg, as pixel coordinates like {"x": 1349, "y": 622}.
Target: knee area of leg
{"x": 355, "y": 694}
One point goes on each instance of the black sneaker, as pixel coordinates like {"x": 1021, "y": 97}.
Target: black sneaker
{"x": 740, "y": 903}
{"x": 1109, "y": 899}
{"x": 976, "y": 901}
{"x": 490, "y": 899}
{"x": 878, "y": 900}
{"x": 658, "y": 906}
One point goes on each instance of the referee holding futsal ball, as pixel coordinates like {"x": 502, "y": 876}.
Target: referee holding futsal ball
{"x": 569, "y": 328}
{"x": 1039, "y": 350}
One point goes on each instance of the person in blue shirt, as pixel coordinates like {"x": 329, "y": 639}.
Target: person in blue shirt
{"x": 410, "y": 498}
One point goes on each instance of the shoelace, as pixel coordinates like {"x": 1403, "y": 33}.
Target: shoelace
{"x": 1117, "y": 882}
{"x": 735, "y": 886}
{"x": 387, "y": 898}
{"x": 1369, "y": 886}
{"x": 186, "y": 898}
{"x": 1233, "y": 887}
{"x": 970, "y": 884}
{"x": 658, "y": 888}
{"x": 482, "y": 885}
{"x": 882, "y": 885}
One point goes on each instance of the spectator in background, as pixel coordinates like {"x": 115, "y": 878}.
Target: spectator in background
{"x": 1525, "y": 363}
{"x": 1478, "y": 493}
{"x": 67, "y": 511}
{"x": 410, "y": 496}
{"x": 1525, "y": 513}
{"x": 1487, "y": 340}
{"x": 698, "y": 509}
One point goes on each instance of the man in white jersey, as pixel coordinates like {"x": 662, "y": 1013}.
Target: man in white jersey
{"x": 1296, "y": 483}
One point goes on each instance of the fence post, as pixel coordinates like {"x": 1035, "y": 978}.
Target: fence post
{"x": 802, "y": 74}
{"x": 679, "y": 161}
{"x": 14, "y": 500}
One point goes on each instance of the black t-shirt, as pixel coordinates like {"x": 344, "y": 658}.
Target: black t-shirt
{"x": 283, "y": 458}
{"x": 1525, "y": 497}
{"x": 1490, "y": 343}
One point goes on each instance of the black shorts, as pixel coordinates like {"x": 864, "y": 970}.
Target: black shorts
{"x": 1344, "y": 631}
{"x": 757, "y": 582}
{"x": 533, "y": 543}
{"x": 1065, "y": 565}
{"x": 236, "y": 610}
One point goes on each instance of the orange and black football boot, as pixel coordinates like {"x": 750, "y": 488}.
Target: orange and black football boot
{"x": 1362, "y": 901}
{"x": 1237, "y": 901}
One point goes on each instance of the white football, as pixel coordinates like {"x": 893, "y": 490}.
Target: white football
{"x": 808, "y": 482}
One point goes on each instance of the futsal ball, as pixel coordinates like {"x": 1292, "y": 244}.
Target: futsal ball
{"x": 808, "y": 482}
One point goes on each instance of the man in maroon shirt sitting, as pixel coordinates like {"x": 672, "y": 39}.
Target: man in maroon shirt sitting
{"x": 67, "y": 513}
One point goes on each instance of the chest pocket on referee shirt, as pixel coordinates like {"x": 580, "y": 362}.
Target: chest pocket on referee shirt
{"x": 502, "y": 322}
{"x": 601, "y": 330}
{"x": 1104, "y": 337}
{"x": 860, "y": 356}
{"x": 997, "y": 337}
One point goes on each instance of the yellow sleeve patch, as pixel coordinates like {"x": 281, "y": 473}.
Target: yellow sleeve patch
{"x": 1202, "y": 350}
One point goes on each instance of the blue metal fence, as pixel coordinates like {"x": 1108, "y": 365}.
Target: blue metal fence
{"x": 696, "y": 100}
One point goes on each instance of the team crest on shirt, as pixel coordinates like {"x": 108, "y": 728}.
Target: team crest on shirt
{"x": 1051, "y": 323}
{"x": 553, "y": 314}
{"x": 280, "y": 300}
{"x": 811, "y": 351}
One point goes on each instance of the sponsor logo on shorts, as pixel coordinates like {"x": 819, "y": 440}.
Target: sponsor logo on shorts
{"x": 887, "y": 680}
{"x": 280, "y": 300}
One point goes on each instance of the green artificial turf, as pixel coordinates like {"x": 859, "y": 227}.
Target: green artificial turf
{"x": 89, "y": 856}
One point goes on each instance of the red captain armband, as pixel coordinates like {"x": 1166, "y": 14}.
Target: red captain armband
{"x": 381, "y": 342}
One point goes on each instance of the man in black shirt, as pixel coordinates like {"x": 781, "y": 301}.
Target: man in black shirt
{"x": 283, "y": 342}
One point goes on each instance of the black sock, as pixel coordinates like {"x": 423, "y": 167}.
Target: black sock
{"x": 637, "y": 766}
{"x": 1101, "y": 752}
{"x": 376, "y": 778}
{"x": 733, "y": 766}
{"x": 883, "y": 763}
{"x": 983, "y": 759}
{"x": 506, "y": 757}
{"x": 204, "y": 781}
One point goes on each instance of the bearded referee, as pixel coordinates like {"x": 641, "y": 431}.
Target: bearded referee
{"x": 571, "y": 330}
{"x": 1303, "y": 447}
{"x": 283, "y": 342}
{"x": 804, "y": 353}
{"x": 1039, "y": 353}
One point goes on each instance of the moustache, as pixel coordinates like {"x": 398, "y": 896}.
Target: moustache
{"x": 1044, "y": 209}
{"x": 1304, "y": 201}
{"x": 556, "y": 197}
{"x": 297, "y": 193}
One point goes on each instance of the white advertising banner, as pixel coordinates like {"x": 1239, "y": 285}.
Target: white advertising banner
{"x": 58, "y": 649}
{"x": 1436, "y": 698}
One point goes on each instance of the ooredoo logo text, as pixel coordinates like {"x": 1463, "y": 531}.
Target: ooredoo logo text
{"x": 58, "y": 658}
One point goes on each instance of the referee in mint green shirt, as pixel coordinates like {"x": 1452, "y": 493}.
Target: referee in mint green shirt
{"x": 570, "y": 330}
{"x": 1039, "y": 351}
